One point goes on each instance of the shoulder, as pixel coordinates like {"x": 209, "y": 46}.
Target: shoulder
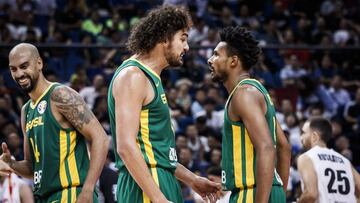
{"x": 23, "y": 108}
{"x": 130, "y": 74}
{"x": 303, "y": 160}
{"x": 247, "y": 94}
{"x": 63, "y": 93}
{"x": 131, "y": 78}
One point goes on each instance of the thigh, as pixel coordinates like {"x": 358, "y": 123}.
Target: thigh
{"x": 170, "y": 186}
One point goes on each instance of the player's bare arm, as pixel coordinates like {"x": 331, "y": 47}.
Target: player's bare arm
{"x": 5, "y": 169}
{"x": 132, "y": 90}
{"x": 357, "y": 184}
{"x": 248, "y": 105}
{"x": 74, "y": 111}
{"x": 26, "y": 194}
{"x": 24, "y": 167}
{"x": 283, "y": 155}
{"x": 208, "y": 190}
{"x": 309, "y": 178}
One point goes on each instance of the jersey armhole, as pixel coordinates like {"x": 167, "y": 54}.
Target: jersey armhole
{"x": 148, "y": 76}
{"x": 152, "y": 82}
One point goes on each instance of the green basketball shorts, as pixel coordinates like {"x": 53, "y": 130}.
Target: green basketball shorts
{"x": 277, "y": 195}
{"x": 129, "y": 191}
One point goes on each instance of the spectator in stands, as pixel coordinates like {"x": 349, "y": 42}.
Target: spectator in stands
{"x": 198, "y": 32}
{"x": 342, "y": 146}
{"x": 320, "y": 30}
{"x": 195, "y": 142}
{"x": 198, "y": 104}
{"x": 352, "y": 112}
{"x": 186, "y": 159}
{"x": 116, "y": 22}
{"x": 340, "y": 95}
{"x": 181, "y": 142}
{"x": 92, "y": 25}
{"x": 45, "y": 7}
{"x": 291, "y": 71}
{"x": 292, "y": 126}
{"x": 214, "y": 119}
{"x": 90, "y": 93}
{"x": 69, "y": 19}
{"x": 183, "y": 98}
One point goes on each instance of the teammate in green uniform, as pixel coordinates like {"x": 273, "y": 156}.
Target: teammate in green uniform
{"x": 56, "y": 123}
{"x": 139, "y": 114}
{"x": 252, "y": 137}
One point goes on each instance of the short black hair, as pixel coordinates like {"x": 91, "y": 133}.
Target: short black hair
{"x": 242, "y": 43}
{"x": 159, "y": 25}
{"x": 214, "y": 170}
{"x": 323, "y": 127}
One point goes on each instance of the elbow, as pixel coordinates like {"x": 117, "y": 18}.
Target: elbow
{"x": 106, "y": 143}
{"x": 267, "y": 150}
{"x": 312, "y": 197}
{"x": 123, "y": 149}
{"x": 103, "y": 142}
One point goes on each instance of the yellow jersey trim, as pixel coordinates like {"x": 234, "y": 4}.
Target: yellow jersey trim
{"x": 33, "y": 105}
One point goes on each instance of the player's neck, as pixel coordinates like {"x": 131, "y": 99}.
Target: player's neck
{"x": 40, "y": 88}
{"x": 234, "y": 80}
{"x": 153, "y": 60}
{"x": 320, "y": 144}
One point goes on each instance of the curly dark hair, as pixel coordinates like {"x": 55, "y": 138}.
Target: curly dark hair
{"x": 159, "y": 25}
{"x": 242, "y": 43}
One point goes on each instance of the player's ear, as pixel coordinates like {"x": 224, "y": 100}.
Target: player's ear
{"x": 39, "y": 63}
{"x": 315, "y": 136}
{"x": 235, "y": 60}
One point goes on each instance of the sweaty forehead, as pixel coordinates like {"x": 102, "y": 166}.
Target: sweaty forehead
{"x": 183, "y": 32}
{"x": 221, "y": 47}
{"x": 19, "y": 57}
{"x": 306, "y": 126}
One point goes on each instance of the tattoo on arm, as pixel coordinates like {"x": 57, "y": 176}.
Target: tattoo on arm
{"x": 72, "y": 106}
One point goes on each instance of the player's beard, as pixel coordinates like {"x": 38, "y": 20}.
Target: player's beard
{"x": 172, "y": 58}
{"x": 218, "y": 76}
{"x": 28, "y": 87}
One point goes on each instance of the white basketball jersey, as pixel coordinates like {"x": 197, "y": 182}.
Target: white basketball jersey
{"x": 334, "y": 175}
{"x": 10, "y": 189}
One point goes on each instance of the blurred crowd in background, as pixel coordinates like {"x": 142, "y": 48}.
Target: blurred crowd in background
{"x": 302, "y": 82}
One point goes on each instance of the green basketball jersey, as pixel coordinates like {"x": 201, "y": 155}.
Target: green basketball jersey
{"x": 238, "y": 153}
{"x": 59, "y": 155}
{"x": 155, "y": 138}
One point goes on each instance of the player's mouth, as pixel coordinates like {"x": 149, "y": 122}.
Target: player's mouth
{"x": 182, "y": 55}
{"x": 212, "y": 69}
{"x": 23, "y": 80}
